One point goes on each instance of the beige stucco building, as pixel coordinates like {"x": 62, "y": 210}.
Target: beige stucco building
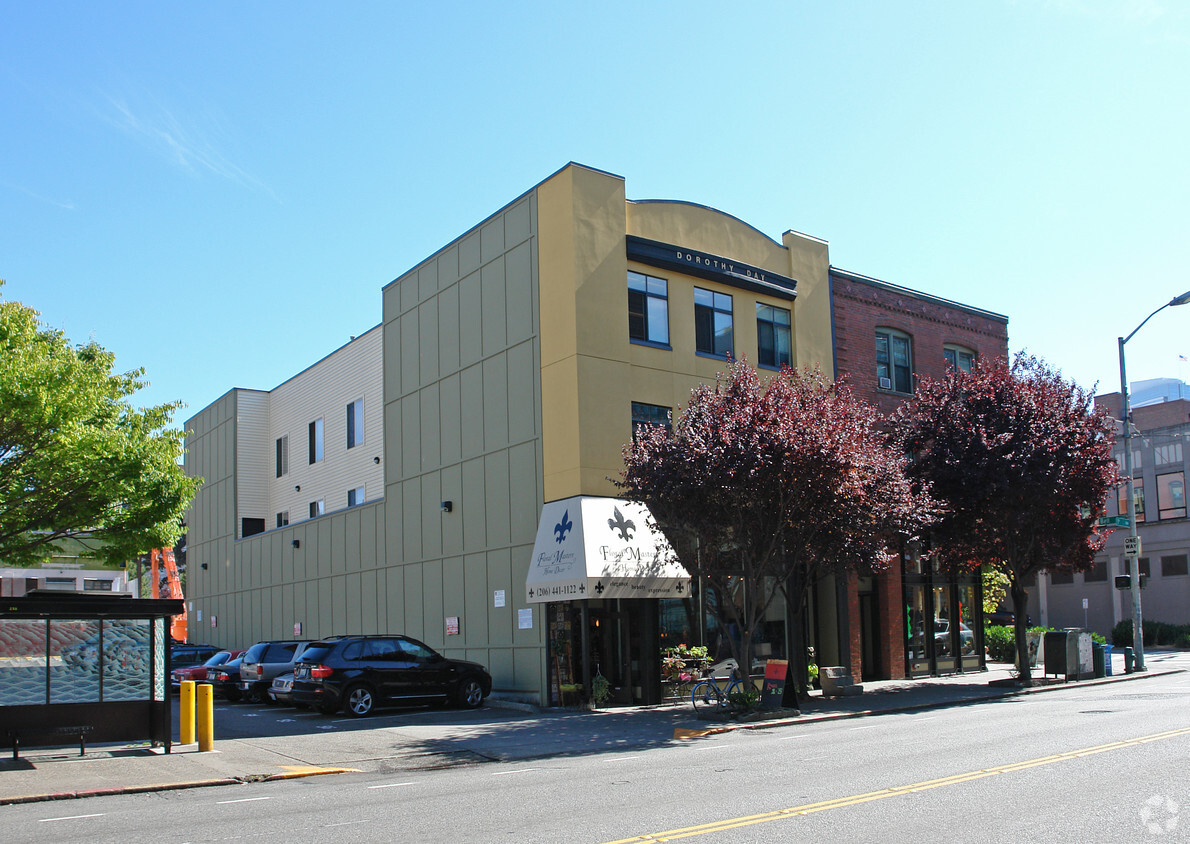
{"x": 507, "y": 373}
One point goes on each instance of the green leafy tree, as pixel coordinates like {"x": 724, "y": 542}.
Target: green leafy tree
{"x": 76, "y": 459}
{"x": 766, "y": 488}
{"x": 1021, "y": 462}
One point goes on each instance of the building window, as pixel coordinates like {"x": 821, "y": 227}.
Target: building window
{"x": 250, "y": 526}
{"x": 317, "y": 508}
{"x": 712, "y": 323}
{"x": 958, "y": 358}
{"x": 1164, "y": 455}
{"x": 894, "y": 361}
{"x": 1171, "y": 496}
{"x": 283, "y": 518}
{"x": 355, "y": 496}
{"x": 650, "y": 414}
{"x": 648, "y": 309}
{"x": 773, "y": 336}
{"x": 283, "y": 455}
{"x": 94, "y": 584}
{"x": 1061, "y": 578}
{"x": 355, "y": 423}
{"x": 1138, "y": 497}
{"x": 315, "y": 440}
{"x": 1097, "y": 573}
{"x": 63, "y": 584}
{"x": 1142, "y": 565}
{"x": 1173, "y": 566}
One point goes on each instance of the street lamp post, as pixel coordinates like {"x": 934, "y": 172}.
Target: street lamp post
{"x": 1138, "y": 643}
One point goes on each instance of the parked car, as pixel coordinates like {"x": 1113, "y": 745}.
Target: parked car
{"x": 200, "y": 673}
{"x": 264, "y": 661}
{"x": 942, "y": 637}
{"x": 281, "y": 692}
{"x": 184, "y": 655}
{"x": 225, "y": 680}
{"x": 359, "y": 673}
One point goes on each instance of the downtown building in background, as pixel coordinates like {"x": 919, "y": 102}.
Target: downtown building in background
{"x": 449, "y": 473}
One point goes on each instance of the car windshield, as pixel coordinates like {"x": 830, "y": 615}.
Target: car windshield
{"x": 218, "y": 659}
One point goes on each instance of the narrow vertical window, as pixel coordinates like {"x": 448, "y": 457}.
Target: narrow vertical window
{"x": 958, "y": 358}
{"x": 315, "y": 440}
{"x": 317, "y": 508}
{"x": 774, "y": 347}
{"x": 282, "y": 455}
{"x": 894, "y": 361}
{"x": 648, "y": 308}
{"x": 355, "y": 496}
{"x": 355, "y": 423}
{"x": 283, "y": 518}
{"x": 712, "y": 323}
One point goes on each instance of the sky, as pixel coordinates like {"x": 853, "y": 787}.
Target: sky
{"x": 217, "y": 192}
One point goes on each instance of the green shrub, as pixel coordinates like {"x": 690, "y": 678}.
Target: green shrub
{"x": 1000, "y": 642}
{"x": 745, "y": 700}
{"x": 1121, "y": 634}
{"x": 1156, "y": 633}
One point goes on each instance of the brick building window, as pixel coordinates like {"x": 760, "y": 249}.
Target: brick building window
{"x": 894, "y": 360}
{"x": 1138, "y": 496}
{"x": 958, "y": 358}
{"x": 1171, "y": 496}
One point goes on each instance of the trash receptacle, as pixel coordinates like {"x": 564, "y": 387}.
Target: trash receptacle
{"x": 1097, "y": 659}
{"x": 1127, "y": 660}
{"x": 1107, "y": 660}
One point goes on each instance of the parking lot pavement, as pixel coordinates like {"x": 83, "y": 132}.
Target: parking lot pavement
{"x": 256, "y": 742}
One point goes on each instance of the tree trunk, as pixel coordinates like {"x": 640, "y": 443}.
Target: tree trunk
{"x": 1020, "y": 606}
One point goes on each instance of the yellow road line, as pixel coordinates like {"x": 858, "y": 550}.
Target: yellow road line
{"x": 856, "y": 799}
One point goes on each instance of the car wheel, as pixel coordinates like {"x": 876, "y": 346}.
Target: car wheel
{"x": 360, "y": 701}
{"x": 470, "y": 693}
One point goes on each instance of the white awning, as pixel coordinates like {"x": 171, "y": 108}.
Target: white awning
{"x": 590, "y": 547}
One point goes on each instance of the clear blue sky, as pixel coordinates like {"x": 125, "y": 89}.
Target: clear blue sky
{"x": 218, "y": 191}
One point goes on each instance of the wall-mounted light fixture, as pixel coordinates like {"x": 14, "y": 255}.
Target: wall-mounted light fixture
{"x": 447, "y": 506}
{"x": 376, "y": 460}
{"x": 297, "y": 488}
{"x": 297, "y": 543}
{"x": 204, "y": 566}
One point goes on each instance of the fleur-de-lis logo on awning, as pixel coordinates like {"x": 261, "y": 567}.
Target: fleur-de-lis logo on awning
{"x": 624, "y": 526}
{"x": 563, "y": 527}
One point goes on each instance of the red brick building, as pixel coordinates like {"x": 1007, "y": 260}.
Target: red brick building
{"x": 901, "y": 623}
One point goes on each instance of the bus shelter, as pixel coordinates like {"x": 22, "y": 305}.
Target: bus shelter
{"x": 79, "y": 667}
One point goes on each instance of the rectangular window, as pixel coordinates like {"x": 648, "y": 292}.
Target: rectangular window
{"x": 1173, "y": 566}
{"x": 315, "y": 440}
{"x": 1138, "y": 496}
{"x": 355, "y": 423}
{"x": 64, "y": 584}
{"x": 94, "y": 584}
{"x": 959, "y": 358}
{"x": 712, "y": 323}
{"x": 1061, "y": 578}
{"x": 650, "y": 414}
{"x": 283, "y": 455}
{"x": 1164, "y": 455}
{"x": 773, "y": 336}
{"x": 355, "y": 496}
{"x": 1171, "y": 496}
{"x": 894, "y": 361}
{"x": 648, "y": 309}
{"x": 283, "y": 518}
{"x": 1142, "y": 566}
{"x": 251, "y": 526}
{"x": 1097, "y": 573}
{"x": 317, "y": 508}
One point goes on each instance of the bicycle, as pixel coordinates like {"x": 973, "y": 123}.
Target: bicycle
{"x": 708, "y": 696}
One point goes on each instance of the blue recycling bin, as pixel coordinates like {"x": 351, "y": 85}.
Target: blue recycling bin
{"x": 1107, "y": 660}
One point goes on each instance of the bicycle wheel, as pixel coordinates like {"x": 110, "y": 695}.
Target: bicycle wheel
{"x": 706, "y": 696}
{"x": 725, "y": 695}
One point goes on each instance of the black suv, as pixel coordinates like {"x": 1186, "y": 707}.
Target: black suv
{"x": 359, "y": 673}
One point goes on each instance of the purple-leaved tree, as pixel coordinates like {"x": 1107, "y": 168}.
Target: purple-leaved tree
{"x": 765, "y": 488}
{"x": 1021, "y": 462}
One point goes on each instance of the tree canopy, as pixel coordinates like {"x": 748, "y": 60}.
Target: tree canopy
{"x": 76, "y": 459}
{"x": 1021, "y": 461}
{"x": 764, "y": 488}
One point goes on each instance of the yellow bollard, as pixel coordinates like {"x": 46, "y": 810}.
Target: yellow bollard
{"x": 186, "y": 713}
{"x": 206, "y": 717}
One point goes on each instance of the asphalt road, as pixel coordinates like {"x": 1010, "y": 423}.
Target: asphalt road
{"x": 1104, "y": 763}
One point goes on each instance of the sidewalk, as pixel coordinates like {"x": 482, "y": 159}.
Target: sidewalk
{"x": 494, "y": 733}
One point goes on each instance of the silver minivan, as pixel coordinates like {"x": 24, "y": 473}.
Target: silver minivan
{"x": 263, "y": 662}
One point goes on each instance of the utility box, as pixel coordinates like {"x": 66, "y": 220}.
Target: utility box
{"x": 1069, "y": 653}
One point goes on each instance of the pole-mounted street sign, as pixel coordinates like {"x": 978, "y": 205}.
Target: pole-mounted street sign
{"x": 1131, "y": 546}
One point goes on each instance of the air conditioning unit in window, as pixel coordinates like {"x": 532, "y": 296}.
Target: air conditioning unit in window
{"x": 886, "y": 383}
